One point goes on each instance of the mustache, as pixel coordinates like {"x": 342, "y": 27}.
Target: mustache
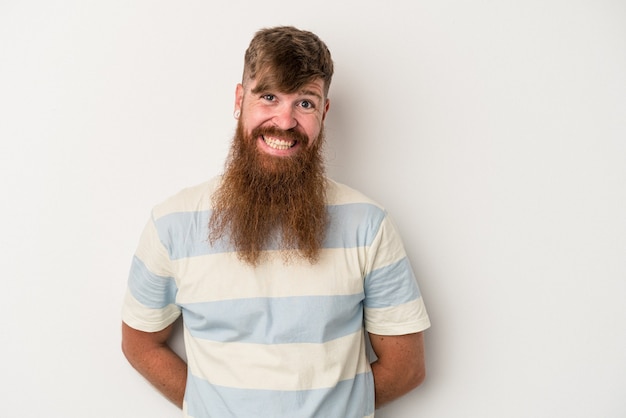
{"x": 280, "y": 133}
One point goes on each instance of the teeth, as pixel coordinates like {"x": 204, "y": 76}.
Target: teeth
{"x": 279, "y": 144}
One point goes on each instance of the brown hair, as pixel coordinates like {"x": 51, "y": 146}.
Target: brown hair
{"x": 286, "y": 58}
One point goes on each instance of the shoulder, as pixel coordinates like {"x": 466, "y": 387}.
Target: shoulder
{"x": 341, "y": 194}
{"x": 351, "y": 210}
{"x": 191, "y": 199}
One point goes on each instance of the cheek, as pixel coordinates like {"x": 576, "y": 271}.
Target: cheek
{"x": 249, "y": 124}
{"x": 313, "y": 131}
{"x": 253, "y": 120}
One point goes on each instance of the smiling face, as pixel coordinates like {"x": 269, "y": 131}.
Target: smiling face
{"x": 273, "y": 190}
{"x": 274, "y": 186}
{"x": 281, "y": 123}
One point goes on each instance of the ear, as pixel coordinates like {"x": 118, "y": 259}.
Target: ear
{"x": 238, "y": 97}
{"x": 326, "y": 107}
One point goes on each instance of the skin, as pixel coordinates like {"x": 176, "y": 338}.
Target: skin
{"x": 302, "y": 111}
{"x": 150, "y": 355}
{"x": 400, "y": 365}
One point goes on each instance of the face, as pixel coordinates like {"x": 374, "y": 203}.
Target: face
{"x": 282, "y": 123}
{"x": 274, "y": 180}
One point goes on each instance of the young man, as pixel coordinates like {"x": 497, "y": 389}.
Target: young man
{"x": 278, "y": 271}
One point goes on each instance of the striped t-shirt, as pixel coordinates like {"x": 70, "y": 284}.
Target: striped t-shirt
{"x": 281, "y": 339}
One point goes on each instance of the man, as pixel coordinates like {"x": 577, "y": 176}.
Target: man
{"x": 278, "y": 271}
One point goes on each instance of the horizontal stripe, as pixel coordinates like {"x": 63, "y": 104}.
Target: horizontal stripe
{"x": 276, "y": 320}
{"x": 387, "y": 247}
{"x": 151, "y": 251}
{"x": 194, "y": 198}
{"x": 353, "y": 225}
{"x": 352, "y": 398}
{"x": 222, "y": 276}
{"x": 184, "y": 234}
{"x": 149, "y": 289}
{"x": 139, "y": 317}
{"x": 340, "y": 194}
{"x": 277, "y": 366}
{"x": 391, "y": 285}
{"x": 398, "y": 320}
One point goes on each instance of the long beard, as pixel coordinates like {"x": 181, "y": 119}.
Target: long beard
{"x": 267, "y": 202}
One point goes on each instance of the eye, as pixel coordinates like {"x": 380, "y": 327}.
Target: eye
{"x": 307, "y": 105}
{"x": 268, "y": 97}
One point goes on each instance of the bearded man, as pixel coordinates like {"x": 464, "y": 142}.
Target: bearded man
{"x": 280, "y": 274}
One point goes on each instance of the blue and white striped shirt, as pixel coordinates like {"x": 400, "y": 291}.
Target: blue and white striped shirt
{"x": 280, "y": 339}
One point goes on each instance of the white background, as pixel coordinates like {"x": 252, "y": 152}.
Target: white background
{"x": 493, "y": 131}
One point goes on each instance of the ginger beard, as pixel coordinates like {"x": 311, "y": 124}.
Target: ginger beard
{"x": 269, "y": 202}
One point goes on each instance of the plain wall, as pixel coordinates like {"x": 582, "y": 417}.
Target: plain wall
{"x": 493, "y": 132}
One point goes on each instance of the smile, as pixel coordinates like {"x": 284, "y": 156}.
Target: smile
{"x": 277, "y": 143}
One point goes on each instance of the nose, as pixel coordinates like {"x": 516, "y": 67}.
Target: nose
{"x": 284, "y": 118}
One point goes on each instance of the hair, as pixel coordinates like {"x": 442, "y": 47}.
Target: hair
{"x": 287, "y": 58}
{"x": 267, "y": 203}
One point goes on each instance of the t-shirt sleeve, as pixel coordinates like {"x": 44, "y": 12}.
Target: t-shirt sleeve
{"x": 150, "y": 301}
{"x": 393, "y": 303}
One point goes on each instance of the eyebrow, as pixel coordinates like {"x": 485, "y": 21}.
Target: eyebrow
{"x": 261, "y": 87}
{"x": 306, "y": 92}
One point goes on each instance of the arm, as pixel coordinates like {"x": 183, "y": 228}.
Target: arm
{"x": 400, "y": 365}
{"x": 150, "y": 355}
